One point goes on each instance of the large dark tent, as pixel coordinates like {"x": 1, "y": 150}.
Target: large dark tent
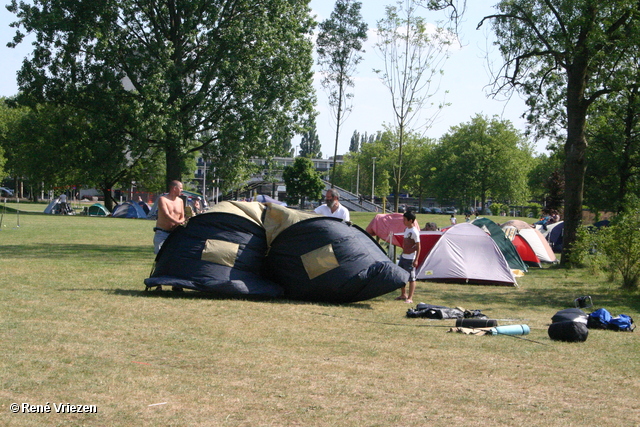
{"x": 221, "y": 252}
{"x": 310, "y": 257}
{"x": 325, "y": 259}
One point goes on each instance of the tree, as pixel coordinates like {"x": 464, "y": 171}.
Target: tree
{"x": 310, "y": 143}
{"x": 413, "y": 54}
{"x": 354, "y": 144}
{"x": 483, "y": 158}
{"x": 339, "y": 45}
{"x": 62, "y": 146}
{"x": 564, "y": 56}
{"x": 302, "y": 181}
{"x": 237, "y": 70}
{"x": 613, "y": 170}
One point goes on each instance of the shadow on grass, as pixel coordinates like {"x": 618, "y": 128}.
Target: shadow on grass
{"x": 107, "y": 252}
{"x": 553, "y": 298}
{"x": 195, "y": 295}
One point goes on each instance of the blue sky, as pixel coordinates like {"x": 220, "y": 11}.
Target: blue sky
{"x": 465, "y": 78}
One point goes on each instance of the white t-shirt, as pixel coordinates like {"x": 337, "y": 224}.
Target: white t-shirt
{"x": 341, "y": 212}
{"x": 411, "y": 233}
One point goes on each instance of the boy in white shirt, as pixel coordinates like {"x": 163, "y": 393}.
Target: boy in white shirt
{"x": 409, "y": 257}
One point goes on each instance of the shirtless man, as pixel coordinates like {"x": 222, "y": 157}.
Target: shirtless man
{"x": 170, "y": 214}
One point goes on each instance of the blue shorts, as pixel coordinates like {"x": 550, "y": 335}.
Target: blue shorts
{"x": 407, "y": 264}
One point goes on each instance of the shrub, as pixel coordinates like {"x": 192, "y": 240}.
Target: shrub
{"x": 615, "y": 249}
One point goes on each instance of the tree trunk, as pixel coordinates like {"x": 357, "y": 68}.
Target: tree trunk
{"x": 575, "y": 150}
{"x": 108, "y": 199}
{"x": 396, "y": 197}
{"x": 335, "y": 152}
{"x": 174, "y": 163}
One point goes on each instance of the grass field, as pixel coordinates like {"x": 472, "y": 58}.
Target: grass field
{"x": 77, "y": 328}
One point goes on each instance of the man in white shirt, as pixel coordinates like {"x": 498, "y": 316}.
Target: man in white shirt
{"x": 333, "y": 207}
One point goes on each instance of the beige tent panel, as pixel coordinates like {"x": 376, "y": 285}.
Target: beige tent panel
{"x": 319, "y": 261}
{"x": 250, "y": 210}
{"x": 220, "y": 252}
{"x": 278, "y": 218}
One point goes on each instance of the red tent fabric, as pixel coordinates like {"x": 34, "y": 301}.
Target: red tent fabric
{"x": 526, "y": 253}
{"x": 385, "y": 225}
{"x": 428, "y": 240}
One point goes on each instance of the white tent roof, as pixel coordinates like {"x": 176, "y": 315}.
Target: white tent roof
{"x": 466, "y": 253}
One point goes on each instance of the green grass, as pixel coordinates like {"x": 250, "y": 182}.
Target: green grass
{"x": 77, "y": 327}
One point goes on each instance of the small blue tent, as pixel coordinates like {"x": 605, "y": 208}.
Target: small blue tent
{"x": 129, "y": 210}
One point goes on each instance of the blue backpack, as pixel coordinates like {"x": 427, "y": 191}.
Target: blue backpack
{"x": 602, "y": 319}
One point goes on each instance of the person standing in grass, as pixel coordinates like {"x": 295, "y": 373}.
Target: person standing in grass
{"x": 170, "y": 214}
{"x": 409, "y": 257}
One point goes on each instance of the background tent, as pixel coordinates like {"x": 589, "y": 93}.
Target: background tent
{"x": 428, "y": 239}
{"x": 97, "y": 209}
{"x": 59, "y": 206}
{"x": 385, "y": 226}
{"x": 506, "y": 247}
{"x": 310, "y": 257}
{"x": 534, "y": 238}
{"x": 555, "y": 236}
{"x": 525, "y": 251}
{"x": 129, "y": 209}
{"x": 467, "y": 254}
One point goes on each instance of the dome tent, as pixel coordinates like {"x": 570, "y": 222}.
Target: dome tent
{"x": 506, "y": 247}
{"x": 533, "y": 237}
{"x": 465, "y": 253}
{"x": 129, "y": 209}
{"x": 310, "y": 257}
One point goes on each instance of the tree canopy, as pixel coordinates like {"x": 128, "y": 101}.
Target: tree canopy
{"x": 563, "y": 56}
{"x": 171, "y": 71}
{"x": 302, "y": 181}
{"x": 413, "y": 54}
{"x": 484, "y": 158}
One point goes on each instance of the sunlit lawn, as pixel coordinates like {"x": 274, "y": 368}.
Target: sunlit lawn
{"x": 78, "y": 328}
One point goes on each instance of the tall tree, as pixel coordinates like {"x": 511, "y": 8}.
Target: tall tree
{"x": 302, "y": 181}
{"x": 413, "y": 54}
{"x": 238, "y": 69}
{"x": 339, "y": 45}
{"x": 354, "y": 145}
{"x": 310, "y": 143}
{"x": 564, "y": 55}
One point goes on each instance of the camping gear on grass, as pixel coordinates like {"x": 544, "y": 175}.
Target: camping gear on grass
{"x": 568, "y": 331}
{"x": 476, "y": 323}
{"x": 511, "y": 330}
{"x": 602, "y": 319}
{"x": 569, "y": 325}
